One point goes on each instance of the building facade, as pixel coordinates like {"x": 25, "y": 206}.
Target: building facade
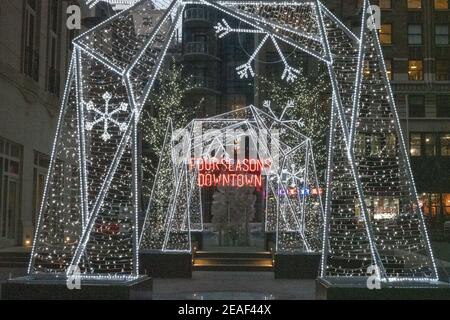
{"x": 35, "y": 50}
{"x": 415, "y": 38}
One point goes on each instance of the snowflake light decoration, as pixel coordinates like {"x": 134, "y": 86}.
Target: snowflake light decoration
{"x": 294, "y": 176}
{"x": 106, "y": 116}
{"x": 245, "y": 70}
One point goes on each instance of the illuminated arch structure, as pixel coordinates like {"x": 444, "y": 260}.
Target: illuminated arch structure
{"x": 294, "y": 209}
{"x": 89, "y": 213}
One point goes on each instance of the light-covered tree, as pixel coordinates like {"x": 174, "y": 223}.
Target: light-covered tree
{"x": 167, "y": 101}
{"x": 310, "y": 95}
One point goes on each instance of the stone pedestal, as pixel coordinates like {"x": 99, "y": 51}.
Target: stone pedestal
{"x": 166, "y": 264}
{"x": 53, "y": 288}
{"x": 302, "y": 265}
{"x": 355, "y": 288}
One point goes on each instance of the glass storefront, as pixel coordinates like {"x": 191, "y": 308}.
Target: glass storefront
{"x": 233, "y": 218}
{"x": 435, "y": 205}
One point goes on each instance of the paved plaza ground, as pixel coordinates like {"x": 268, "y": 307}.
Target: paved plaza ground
{"x": 224, "y": 285}
{"x": 234, "y": 285}
{"x": 220, "y": 285}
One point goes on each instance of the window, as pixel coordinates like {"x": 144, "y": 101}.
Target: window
{"x": 375, "y": 146}
{"x": 416, "y": 104}
{"x": 414, "y": 4}
{"x": 446, "y": 203}
{"x": 41, "y": 164}
{"x": 431, "y": 204}
{"x": 385, "y": 4}
{"x": 53, "y": 48}
{"x": 386, "y": 33}
{"x": 388, "y": 63}
{"x": 445, "y": 144}
{"x": 54, "y": 15}
{"x": 415, "y": 145}
{"x": 442, "y": 70}
{"x": 10, "y": 177}
{"x": 443, "y": 106}
{"x": 415, "y": 34}
{"x": 383, "y": 207}
{"x": 391, "y": 145}
{"x": 441, "y": 4}
{"x": 30, "y": 63}
{"x": 415, "y": 70}
{"x": 441, "y": 34}
{"x": 430, "y": 145}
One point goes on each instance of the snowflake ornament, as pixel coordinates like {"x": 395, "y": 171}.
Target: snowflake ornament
{"x": 245, "y": 70}
{"x": 289, "y": 105}
{"x": 106, "y": 116}
{"x": 295, "y": 177}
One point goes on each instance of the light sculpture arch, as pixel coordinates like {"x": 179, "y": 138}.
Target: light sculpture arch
{"x": 89, "y": 212}
{"x": 287, "y": 164}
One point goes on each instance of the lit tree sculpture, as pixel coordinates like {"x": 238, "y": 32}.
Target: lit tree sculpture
{"x": 90, "y": 204}
{"x": 310, "y": 96}
{"x": 165, "y": 102}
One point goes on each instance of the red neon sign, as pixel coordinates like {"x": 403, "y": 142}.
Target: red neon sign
{"x": 227, "y": 172}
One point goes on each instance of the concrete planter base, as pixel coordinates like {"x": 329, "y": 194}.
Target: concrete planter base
{"x": 166, "y": 264}
{"x": 52, "y": 288}
{"x": 302, "y": 265}
{"x": 356, "y": 289}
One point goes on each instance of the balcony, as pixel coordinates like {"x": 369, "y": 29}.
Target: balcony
{"x": 31, "y": 63}
{"x": 197, "y": 17}
{"x": 195, "y": 48}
